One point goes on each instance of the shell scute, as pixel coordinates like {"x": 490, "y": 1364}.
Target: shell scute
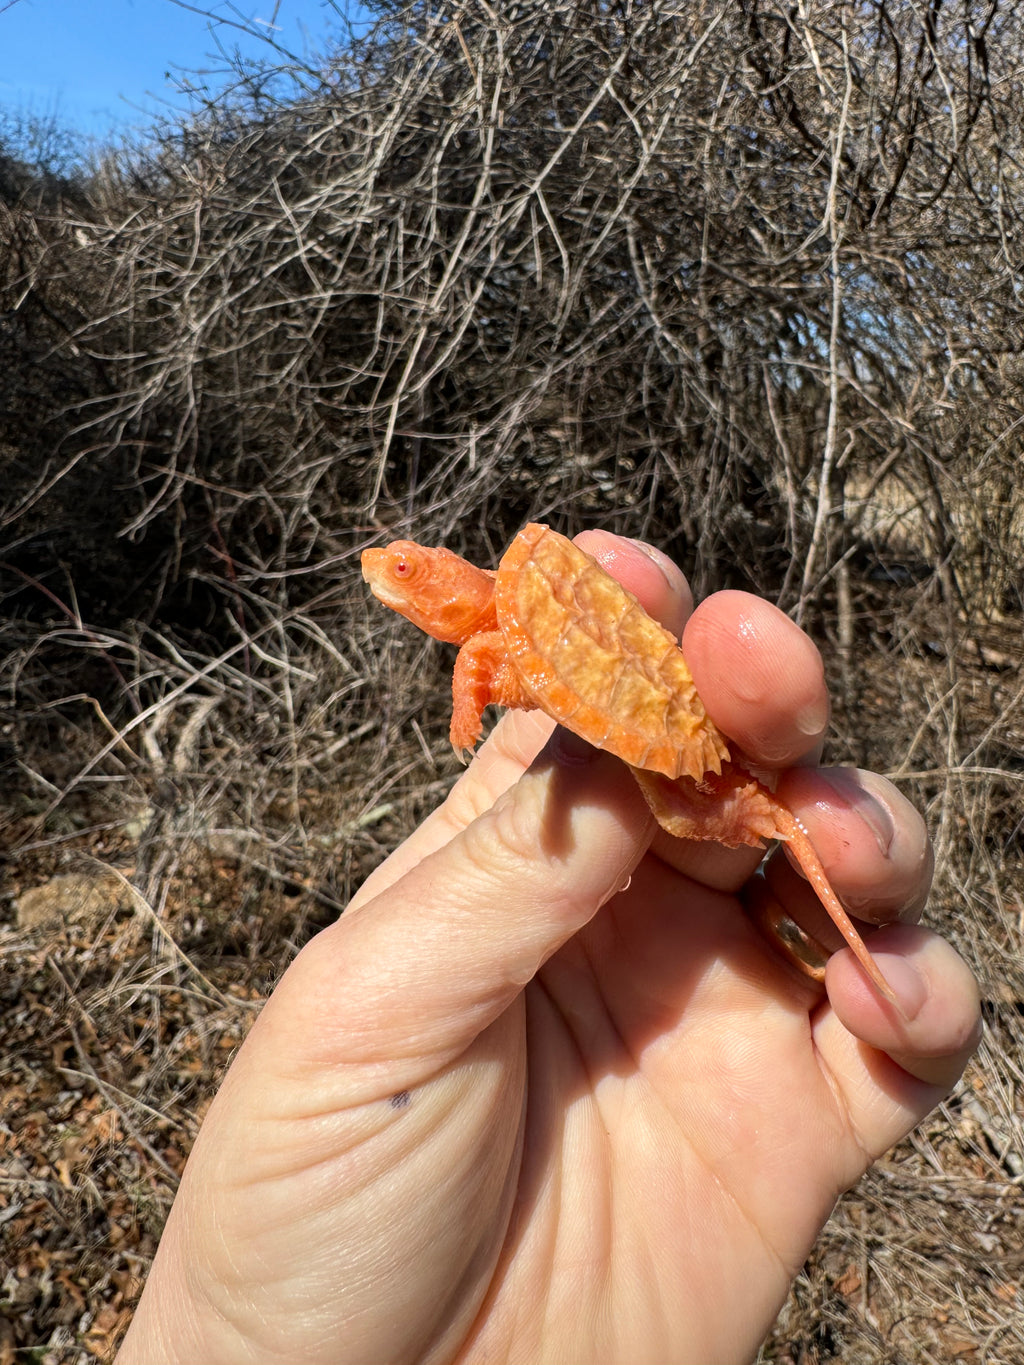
{"x": 587, "y": 666}
{"x": 595, "y": 598}
{"x": 630, "y": 694}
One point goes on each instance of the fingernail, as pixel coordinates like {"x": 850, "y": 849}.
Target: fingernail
{"x": 813, "y": 718}
{"x": 847, "y": 784}
{"x": 569, "y": 749}
{"x": 909, "y": 986}
{"x": 671, "y": 572}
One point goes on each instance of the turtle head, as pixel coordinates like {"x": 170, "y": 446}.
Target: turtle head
{"x": 433, "y": 588}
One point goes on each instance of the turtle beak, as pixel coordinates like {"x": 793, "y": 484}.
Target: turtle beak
{"x": 372, "y": 562}
{"x": 375, "y": 565}
{"x": 375, "y": 568}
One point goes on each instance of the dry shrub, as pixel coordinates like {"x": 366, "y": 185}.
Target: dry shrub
{"x": 741, "y": 278}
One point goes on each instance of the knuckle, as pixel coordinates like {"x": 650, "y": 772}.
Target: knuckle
{"x": 505, "y": 841}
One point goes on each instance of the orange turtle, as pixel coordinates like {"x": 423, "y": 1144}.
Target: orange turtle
{"x": 551, "y": 630}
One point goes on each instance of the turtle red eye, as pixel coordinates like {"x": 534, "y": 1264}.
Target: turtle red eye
{"x": 401, "y": 567}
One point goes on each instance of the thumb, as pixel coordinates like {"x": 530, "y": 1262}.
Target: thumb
{"x": 423, "y": 968}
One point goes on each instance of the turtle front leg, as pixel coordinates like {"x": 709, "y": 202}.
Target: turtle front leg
{"x": 483, "y": 675}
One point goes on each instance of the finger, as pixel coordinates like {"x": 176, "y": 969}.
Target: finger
{"x": 877, "y": 853}
{"x": 455, "y": 940}
{"x": 760, "y": 677}
{"x": 502, "y": 759}
{"x": 871, "y": 840}
{"x": 891, "y": 1071}
{"x": 708, "y": 863}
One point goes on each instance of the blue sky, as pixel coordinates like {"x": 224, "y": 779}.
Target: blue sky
{"x": 103, "y": 65}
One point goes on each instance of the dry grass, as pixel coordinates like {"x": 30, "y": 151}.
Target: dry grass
{"x": 740, "y": 279}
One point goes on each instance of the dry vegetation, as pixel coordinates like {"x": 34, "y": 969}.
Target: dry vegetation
{"x": 741, "y": 278}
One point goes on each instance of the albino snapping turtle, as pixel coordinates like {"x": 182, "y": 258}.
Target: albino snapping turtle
{"x": 552, "y": 630}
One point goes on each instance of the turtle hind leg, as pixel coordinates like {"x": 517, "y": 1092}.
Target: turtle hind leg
{"x": 730, "y": 808}
{"x": 482, "y": 676}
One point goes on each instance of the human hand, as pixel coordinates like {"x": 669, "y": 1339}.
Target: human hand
{"x": 547, "y": 1091}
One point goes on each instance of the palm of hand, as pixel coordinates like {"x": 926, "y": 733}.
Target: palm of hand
{"x": 654, "y": 1099}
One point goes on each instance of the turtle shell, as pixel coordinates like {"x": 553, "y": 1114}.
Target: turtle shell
{"x": 590, "y": 656}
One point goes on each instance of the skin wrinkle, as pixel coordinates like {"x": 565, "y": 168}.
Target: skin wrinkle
{"x": 584, "y": 1147}
{"x": 534, "y": 1188}
{"x": 510, "y": 831}
{"x": 388, "y": 1037}
{"x": 407, "y": 1126}
{"x": 505, "y": 840}
{"x": 621, "y": 1046}
{"x": 702, "y": 1158}
{"x": 384, "y": 1163}
{"x": 201, "y": 1285}
{"x": 652, "y": 1096}
{"x": 706, "y": 1158}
